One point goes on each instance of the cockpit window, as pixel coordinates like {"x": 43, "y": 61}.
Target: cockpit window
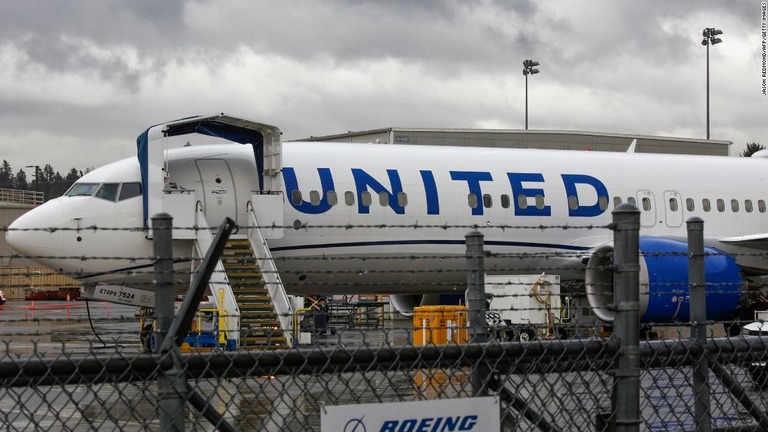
{"x": 82, "y": 189}
{"x": 108, "y": 191}
{"x": 130, "y": 190}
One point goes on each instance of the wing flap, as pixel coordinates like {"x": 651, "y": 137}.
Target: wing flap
{"x": 753, "y": 241}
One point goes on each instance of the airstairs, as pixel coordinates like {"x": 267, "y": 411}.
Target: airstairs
{"x": 247, "y": 290}
{"x": 259, "y": 323}
{"x": 253, "y": 308}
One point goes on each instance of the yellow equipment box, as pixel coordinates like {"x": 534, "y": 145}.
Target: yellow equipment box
{"x": 440, "y": 325}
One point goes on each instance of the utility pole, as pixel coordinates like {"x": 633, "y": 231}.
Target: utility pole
{"x": 528, "y": 69}
{"x": 710, "y": 38}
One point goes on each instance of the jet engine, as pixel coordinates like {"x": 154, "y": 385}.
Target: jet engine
{"x": 664, "y": 295}
{"x": 404, "y": 303}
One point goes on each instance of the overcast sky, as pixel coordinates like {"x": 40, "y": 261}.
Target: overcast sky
{"x": 80, "y": 79}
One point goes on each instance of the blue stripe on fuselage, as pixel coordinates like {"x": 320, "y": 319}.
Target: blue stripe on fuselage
{"x": 427, "y": 242}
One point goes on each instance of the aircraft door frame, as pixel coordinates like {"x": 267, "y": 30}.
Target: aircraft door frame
{"x": 646, "y": 202}
{"x": 674, "y": 217}
{"x": 218, "y": 190}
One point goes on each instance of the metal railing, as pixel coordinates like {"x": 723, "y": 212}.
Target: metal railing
{"x": 21, "y": 197}
{"x": 220, "y": 289}
{"x": 269, "y": 272}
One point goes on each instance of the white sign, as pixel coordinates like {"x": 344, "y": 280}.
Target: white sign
{"x": 120, "y": 295}
{"x": 445, "y": 415}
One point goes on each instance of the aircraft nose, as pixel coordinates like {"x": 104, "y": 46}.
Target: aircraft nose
{"x": 34, "y": 233}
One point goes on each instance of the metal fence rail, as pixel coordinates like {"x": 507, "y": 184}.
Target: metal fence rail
{"x": 549, "y": 385}
{"x": 691, "y": 378}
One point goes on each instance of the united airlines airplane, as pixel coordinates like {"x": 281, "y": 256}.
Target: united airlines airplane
{"x": 386, "y": 218}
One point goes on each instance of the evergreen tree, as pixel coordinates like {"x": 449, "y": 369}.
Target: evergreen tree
{"x": 58, "y": 186}
{"x": 73, "y": 175}
{"x": 6, "y": 175}
{"x": 20, "y": 181}
{"x": 752, "y": 148}
{"x": 48, "y": 174}
{"x": 41, "y": 179}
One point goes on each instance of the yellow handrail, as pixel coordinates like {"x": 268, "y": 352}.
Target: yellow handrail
{"x": 296, "y": 318}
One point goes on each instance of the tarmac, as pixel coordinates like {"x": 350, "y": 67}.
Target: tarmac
{"x": 56, "y": 326}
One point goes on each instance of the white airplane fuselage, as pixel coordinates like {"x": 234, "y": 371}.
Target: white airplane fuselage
{"x": 383, "y": 218}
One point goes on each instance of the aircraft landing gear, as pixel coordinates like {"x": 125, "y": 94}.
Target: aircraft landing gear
{"x": 146, "y": 337}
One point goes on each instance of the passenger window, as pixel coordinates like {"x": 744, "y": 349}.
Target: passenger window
{"x": 632, "y": 201}
{"x": 108, "y": 191}
{"x": 646, "y": 204}
{"x": 296, "y": 197}
{"x": 365, "y": 198}
{"x": 689, "y": 204}
{"x": 761, "y": 206}
{"x": 522, "y": 201}
{"x": 673, "y": 204}
{"x": 349, "y": 198}
{"x": 540, "y": 202}
{"x": 82, "y": 189}
{"x": 383, "y": 199}
{"x": 603, "y": 201}
{"x": 314, "y": 197}
{"x": 573, "y": 202}
{"x": 748, "y": 206}
{"x": 616, "y": 201}
{"x": 129, "y": 190}
{"x": 734, "y": 205}
{"x": 487, "y": 201}
{"x": 402, "y": 199}
{"x": 332, "y": 199}
{"x": 472, "y": 200}
{"x": 705, "y": 204}
{"x": 505, "y": 201}
{"x": 720, "y": 205}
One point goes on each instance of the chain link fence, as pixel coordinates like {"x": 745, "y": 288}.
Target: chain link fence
{"x": 563, "y": 372}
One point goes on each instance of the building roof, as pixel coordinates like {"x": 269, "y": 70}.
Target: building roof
{"x": 510, "y": 131}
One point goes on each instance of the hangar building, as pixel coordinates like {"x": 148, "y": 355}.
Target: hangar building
{"x": 541, "y": 139}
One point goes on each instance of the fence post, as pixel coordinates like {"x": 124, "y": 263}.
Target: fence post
{"x": 626, "y": 294}
{"x": 697, "y": 291}
{"x": 162, "y": 226}
{"x": 169, "y": 384}
{"x": 478, "y": 326}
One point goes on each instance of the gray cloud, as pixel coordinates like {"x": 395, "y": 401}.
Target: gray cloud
{"x": 101, "y": 71}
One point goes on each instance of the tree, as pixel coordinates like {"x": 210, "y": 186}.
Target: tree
{"x": 20, "y": 181}
{"x": 47, "y": 174}
{"x": 752, "y": 148}
{"x": 6, "y": 175}
{"x": 73, "y": 175}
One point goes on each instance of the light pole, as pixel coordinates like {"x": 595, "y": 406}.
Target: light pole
{"x": 710, "y": 38}
{"x": 528, "y": 69}
{"x": 37, "y": 170}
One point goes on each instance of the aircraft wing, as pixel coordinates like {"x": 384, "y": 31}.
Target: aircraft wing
{"x": 753, "y": 241}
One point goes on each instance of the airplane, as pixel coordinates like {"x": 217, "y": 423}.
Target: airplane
{"x": 391, "y": 219}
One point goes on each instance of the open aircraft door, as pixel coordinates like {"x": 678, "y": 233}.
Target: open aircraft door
{"x": 219, "y": 196}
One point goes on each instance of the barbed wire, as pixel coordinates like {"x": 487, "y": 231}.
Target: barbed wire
{"x": 307, "y": 226}
{"x": 391, "y": 255}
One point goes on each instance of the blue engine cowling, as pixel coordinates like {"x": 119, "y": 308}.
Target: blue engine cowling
{"x": 663, "y": 278}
